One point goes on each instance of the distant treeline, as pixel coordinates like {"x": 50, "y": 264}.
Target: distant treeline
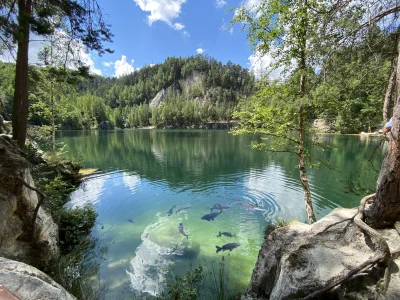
{"x": 198, "y": 90}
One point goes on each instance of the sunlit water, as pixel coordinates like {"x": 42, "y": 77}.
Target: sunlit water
{"x": 147, "y": 172}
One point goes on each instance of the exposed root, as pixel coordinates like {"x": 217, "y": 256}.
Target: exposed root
{"x": 42, "y": 196}
{"x": 334, "y": 224}
{"x": 381, "y": 255}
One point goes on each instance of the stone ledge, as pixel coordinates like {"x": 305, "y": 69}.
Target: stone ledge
{"x": 27, "y": 282}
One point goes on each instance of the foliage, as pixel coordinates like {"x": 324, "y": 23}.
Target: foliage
{"x": 186, "y": 287}
{"x": 354, "y": 83}
{"x": 78, "y": 270}
{"x": 278, "y": 223}
{"x": 192, "y": 284}
{"x": 124, "y": 102}
{"x": 75, "y": 225}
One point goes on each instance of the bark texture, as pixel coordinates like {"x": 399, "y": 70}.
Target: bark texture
{"x": 20, "y": 106}
{"x": 389, "y": 95}
{"x": 303, "y": 172}
{"x": 385, "y": 210}
{"x": 302, "y": 123}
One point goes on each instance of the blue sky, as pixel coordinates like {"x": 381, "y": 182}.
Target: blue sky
{"x": 149, "y": 31}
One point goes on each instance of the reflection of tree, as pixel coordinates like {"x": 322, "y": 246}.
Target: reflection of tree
{"x": 195, "y": 157}
{"x": 178, "y": 157}
{"x": 346, "y": 157}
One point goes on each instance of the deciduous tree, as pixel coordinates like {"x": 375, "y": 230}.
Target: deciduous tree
{"x": 80, "y": 19}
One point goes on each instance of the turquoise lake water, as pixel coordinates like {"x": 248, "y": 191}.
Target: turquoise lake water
{"x": 144, "y": 173}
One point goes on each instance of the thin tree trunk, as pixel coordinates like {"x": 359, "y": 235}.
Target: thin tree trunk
{"x": 302, "y": 169}
{"x": 53, "y": 129}
{"x": 20, "y": 106}
{"x": 389, "y": 94}
{"x": 385, "y": 210}
{"x": 302, "y": 125}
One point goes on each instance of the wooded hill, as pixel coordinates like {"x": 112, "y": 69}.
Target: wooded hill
{"x": 349, "y": 92}
{"x": 179, "y": 92}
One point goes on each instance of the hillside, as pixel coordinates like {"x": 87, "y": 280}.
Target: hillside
{"x": 179, "y": 92}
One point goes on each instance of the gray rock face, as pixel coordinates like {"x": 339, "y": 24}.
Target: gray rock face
{"x": 27, "y": 282}
{"x": 299, "y": 259}
{"x": 158, "y": 99}
{"x": 17, "y": 204}
{"x": 322, "y": 126}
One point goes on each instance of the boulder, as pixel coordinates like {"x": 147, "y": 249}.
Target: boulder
{"x": 105, "y": 125}
{"x": 27, "y": 282}
{"x": 18, "y": 204}
{"x": 299, "y": 259}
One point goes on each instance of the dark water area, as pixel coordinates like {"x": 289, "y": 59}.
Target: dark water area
{"x": 145, "y": 173}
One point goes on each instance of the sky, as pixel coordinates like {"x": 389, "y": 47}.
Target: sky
{"x": 148, "y": 31}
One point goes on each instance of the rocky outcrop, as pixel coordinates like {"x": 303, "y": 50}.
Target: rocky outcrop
{"x": 27, "y": 282}
{"x": 323, "y": 126}
{"x": 158, "y": 99}
{"x": 18, "y": 203}
{"x": 194, "y": 80}
{"x": 299, "y": 259}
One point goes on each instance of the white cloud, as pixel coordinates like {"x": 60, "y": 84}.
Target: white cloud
{"x": 200, "y": 50}
{"x": 122, "y": 67}
{"x": 252, "y": 4}
{"x": 261, "y": 65}
{"x": 108, "y": 64}
{"x": 87, "y": 60}
{"x": 64, "y": 49}
{"x": 186, "y": 34}
{"x": 178, "y": 26}
{"x": 221, "y": 3}
{"x": 162, "y": 10}
{"x": 226, "y": 28}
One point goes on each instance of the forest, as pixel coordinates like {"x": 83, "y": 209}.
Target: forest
{"x": 339, "y": 62}
{"x": 198, "y": 90}
{"x": 347, "y": 91}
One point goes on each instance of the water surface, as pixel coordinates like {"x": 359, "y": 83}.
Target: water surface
{"x": 147, "y": 172}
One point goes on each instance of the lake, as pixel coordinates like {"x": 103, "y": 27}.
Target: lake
{"x": 145, "y": 173}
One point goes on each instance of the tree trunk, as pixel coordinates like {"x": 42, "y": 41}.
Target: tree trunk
{"x": 20, "y": 106}
{"x": 389, "y": 94}
{"x": 303, "y": 172}
{"x": 302, "y": 116}
{"x": 385, "y": 210}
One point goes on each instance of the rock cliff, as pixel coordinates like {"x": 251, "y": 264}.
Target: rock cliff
{"x": 18, "y": 203}
{"x": 27, "y": 282}
{"x": 299, "y": 259}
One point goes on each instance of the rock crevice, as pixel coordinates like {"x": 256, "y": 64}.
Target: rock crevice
{"x": 18, "y": 204}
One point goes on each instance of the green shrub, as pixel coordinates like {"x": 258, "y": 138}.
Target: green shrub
{"x": 75, "y": 224}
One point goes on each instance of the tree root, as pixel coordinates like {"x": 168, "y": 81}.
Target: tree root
{"x": 334, "y": 224}
{"x": 381, "y": 256}
{"x": 42, "y": 196}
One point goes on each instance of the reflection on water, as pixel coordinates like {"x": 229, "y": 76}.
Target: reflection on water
{"x": 146, "y": 172}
